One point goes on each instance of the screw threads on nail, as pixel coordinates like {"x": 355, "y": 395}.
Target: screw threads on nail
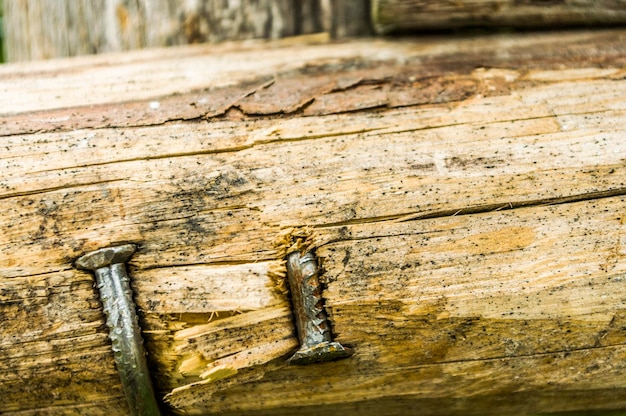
{"x": 312, "y": 296}
{"x": 125, "y": 335}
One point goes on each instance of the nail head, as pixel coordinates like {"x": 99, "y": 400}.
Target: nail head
{"x": 105, "y": 257}
{"x": 323, "y": 352}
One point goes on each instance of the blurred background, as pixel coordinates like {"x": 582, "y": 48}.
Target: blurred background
{"x": 44, "y": 29}
{"x": 1, "y": 35}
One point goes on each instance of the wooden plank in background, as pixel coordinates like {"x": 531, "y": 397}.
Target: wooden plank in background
{"x": 418, "y": 15}
{"x": 37, "y": 29}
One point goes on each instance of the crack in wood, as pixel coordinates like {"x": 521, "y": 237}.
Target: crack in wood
{"x": 56, "y": 188}
{"x": 453, "y": 212}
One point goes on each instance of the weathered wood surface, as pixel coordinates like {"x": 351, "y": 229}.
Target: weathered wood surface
{"x": 42, "y": 29}
{"x": 466, "y": 198}
{"x": 406, "y": 15}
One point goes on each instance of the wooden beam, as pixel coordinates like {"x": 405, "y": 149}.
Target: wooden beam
{"x": 419, "y": 15}
{"x": 465, "y": 198}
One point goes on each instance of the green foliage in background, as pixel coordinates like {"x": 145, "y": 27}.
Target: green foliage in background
{"x": 1, "y": 36}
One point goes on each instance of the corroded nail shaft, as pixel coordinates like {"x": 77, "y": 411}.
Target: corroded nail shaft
{"x": 316, "y": 344}
{"x": 108, "y": 265}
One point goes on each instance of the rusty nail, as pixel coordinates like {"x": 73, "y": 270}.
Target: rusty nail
{"x": 316, "y": 344}
{"x": 108, "y": 265}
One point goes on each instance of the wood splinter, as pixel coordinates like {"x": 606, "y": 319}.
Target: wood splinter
{"x": 316, "y": 344}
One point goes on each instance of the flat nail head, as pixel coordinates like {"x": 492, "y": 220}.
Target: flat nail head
{"x": 325, "y": 351}
{"x": 105, "y": 257}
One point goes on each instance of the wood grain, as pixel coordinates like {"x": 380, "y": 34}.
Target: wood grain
{"x": 465, "y": 199}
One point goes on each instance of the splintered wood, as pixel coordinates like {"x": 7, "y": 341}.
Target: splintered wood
{"x": 466, "y": 200}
